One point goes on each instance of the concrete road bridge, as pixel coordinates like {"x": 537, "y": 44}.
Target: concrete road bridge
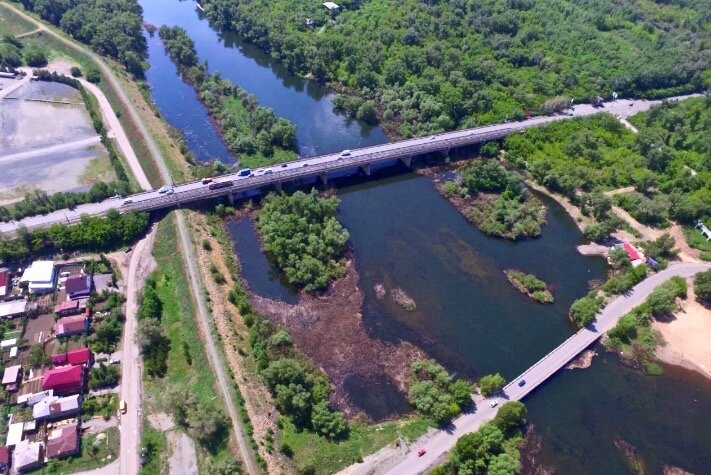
{"x": 321, "y": 167}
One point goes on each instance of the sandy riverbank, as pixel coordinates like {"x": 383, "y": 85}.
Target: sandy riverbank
{"x": 687, "y": 336}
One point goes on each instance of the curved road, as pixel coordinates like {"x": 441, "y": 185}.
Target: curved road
{"x": 440, "y": 442}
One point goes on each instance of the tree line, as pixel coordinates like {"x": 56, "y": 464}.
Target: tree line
{"x": 113, "y": 28}
{"x": 250, "y": 131}
{"x": 92, "y": 233}
{"x": 434, "y": 65}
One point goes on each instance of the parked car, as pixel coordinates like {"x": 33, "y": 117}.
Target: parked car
{"x": 123, "y": 407}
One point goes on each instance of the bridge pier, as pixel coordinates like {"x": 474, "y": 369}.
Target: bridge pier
{"x": 407, "y": 161}
{"x": 231, "y": 198}
{"x": 324, "y": 178}
{"x": 366, "y": 169}
{"x": 277, "y": 185}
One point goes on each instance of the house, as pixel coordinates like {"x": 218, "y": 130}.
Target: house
{"x": 5, "y": 283}
{"x": 64, "y": 380}
{"x": 67, "y": 326}
{"x": 13, "y": 308}
{"x": 69, "y": 307}
{"x": 78, "y": 286}
{"x": 33, "y": 398}
{"x": 4, "y": 459}
{"x": 14, "y": 434}
{"x": 55, "y": 408}
{"x": 634, "y": 255}
{"x": 63, "y": 442}
{"x": 81, "y": 356}
{"x": 40, "y": 276}
{"x": 28, "y": 456}
{"x": 12, "y": 377}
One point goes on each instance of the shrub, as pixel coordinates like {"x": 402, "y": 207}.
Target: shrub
{"x": 93, "y": 75}
{"x": 702, "y": 287}
{"x": 491, "y": 384}
{"x": 584, "y": 310}
{"x": 75, "y": 72}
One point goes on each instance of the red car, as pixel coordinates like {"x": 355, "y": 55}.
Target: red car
{"x": 421, "y": 452}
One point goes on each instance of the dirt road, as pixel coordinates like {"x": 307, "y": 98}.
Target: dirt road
{"x": 139, "y": 267}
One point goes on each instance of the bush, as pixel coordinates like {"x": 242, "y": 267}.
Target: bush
{"x": 75, "y": 72}
{"x": 491, "y": 384}
{"x": 702, "y": 287}
{"x": 435, "y": 394}
{"x": 511, "y": 415}
{"x": 585, "y": 309}
{"x": 93, "y": 75}
{"x": 104, "y": 376}
{"x": 35, "y": 57}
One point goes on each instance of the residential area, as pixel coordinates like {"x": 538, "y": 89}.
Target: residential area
{"x": 61, "y": 325}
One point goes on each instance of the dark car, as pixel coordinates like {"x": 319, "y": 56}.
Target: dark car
{"x": 521, "y": 383}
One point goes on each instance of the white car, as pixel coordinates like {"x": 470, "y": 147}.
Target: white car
{"x": 494, "y": 403}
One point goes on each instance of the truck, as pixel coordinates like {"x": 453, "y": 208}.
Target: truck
{"x": 220, "y": 184}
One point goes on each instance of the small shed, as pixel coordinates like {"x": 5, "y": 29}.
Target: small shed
{"x": 331, "y": 7}
{"x": 12, "y": 377}
{"x": 14, "y": 434}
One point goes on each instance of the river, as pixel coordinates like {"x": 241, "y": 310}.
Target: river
{"x": 468, "y": 316}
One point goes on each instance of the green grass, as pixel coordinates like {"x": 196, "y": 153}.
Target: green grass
{"x": 154, "y": 445}
{"x": 108, "y": 447}
{"x": 697, "y": 240}
{"x": 325, "y": 456}
{"x": 11, "y": 24}
{"x": 181, "y": 329}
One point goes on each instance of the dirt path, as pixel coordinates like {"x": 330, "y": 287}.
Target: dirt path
{"x": 141, "y": 264}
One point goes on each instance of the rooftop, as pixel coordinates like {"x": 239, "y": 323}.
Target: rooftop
{"x": 26, "y": 454}
{"x": 331, "y": 5}
{"x": 70, "y": 325}
{"x": 39, "y": 272}
{"x": 55, "y": 406}
{"x": 62, "y": 377}
{"x": 78, "y": 284}
{"x": 11, "y": 374}
{"x": 63, "y": 441}
{"x": 14, "y": 434}
{"x": 12, "y": 308}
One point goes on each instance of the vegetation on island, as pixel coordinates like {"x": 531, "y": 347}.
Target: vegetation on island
{"x": 429, "y": 65}
{"x": 301, "y": 233}
{"x": 491, "y": 384}
{"x": 702, "y": 287}
{"x": 113, "y": 28}
{"x": 492, "y": 449}
{"x": 513, "y": 214}
{"x": 530, "y": 285}
{"x": 250, "y": 131}
{"x": 90, "y": 234}
{"x": 435, "y": 393}
{"x": 668, "y": 163}
{"x": 633, "y": 334}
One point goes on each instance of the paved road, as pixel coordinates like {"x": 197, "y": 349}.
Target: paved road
{"x": 440, "y": 442}
{"x": 131, "y": 368}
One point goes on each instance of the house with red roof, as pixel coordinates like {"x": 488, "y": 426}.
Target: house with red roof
{"x": 64, "y": 380}
{"x": 67, "y": 326}
{"x": 4, "y": 459}
{"x": 82, "y": 356}
{"x": 5, "y": 283}
{"x": 63, "y": 442}
{"x": 69, "y": 307}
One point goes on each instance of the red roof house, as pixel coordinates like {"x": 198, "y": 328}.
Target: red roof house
{"x": 5, "y": 284}
{"x": 68, "y": 307}
{"x": 4, "y": 458}
{"x": 67, "y": 326}
{"x": 74, "y": 357}
{"x": 631, "y": 252}
{"x": 63, "y": 442}
{"x": 64, "y": 380}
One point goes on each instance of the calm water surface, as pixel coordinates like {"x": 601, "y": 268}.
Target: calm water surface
{"x": 405, "y": 235}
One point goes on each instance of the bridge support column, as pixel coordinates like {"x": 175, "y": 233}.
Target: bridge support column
{"x": 277, "y": 185}
{"x": 407, "y": 161}
{"x": 231, "y": 198}
{"x": 366, "y": 169}
{"x": 324, "y": 178}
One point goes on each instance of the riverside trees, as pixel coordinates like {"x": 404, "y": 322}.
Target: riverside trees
{"x": 301, "y": 233}
{"x": 435, "y": 394}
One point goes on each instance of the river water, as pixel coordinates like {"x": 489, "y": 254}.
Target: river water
{"x": 403, "y": 234}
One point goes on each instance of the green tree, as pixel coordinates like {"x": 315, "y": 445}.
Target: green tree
{"x": 510, "y": 416}
{"x": 329, "y": 424}
{"x": 491, "y": 384}
{"x": 702, "y": 287}
{"x": 662, "y": 301}
{"x": 35, "y": 57}
{"x": 38, "y": 358}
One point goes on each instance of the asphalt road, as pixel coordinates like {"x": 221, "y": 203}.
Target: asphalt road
{"x": 438, "y": 443}
{"x": 315, "y": 166}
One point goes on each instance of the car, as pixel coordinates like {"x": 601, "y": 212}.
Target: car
{"x": 432, "y": 137}
{"x": 164, "y": 189}
{"x": 284, "y": 165}
{"x": 244, "y": 172}
{"x": 494, "y": 403}
{"x": 128, "y": 249}
{"x": 170, "y": 191}
{"x": 522, "y": 383}
{"x": 421, "y": 452}
{"x": 305, "y": 165}
{"x": 123, "y": 407}
{"x": 117, "y": 197}
{"x": 206, "y": 181}
{"x": 346, "y": 153}
{"x": 269, "y": 172}
{"x": 127, "y": 201}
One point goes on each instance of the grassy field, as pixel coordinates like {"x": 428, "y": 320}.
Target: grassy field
{"x": 187, "y": 362}
{"x": 155, "y": 445}
{"x": 312, "y": 452}
{"x": 697, "y": 240}
{"x": 108, "y": 450}
{"x": 10, "y": 24}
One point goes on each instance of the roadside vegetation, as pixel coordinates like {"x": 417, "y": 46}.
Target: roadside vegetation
{"x": 90, "y": 234}
{"x": 251, "y": 132}
{"x": 176, "y": 374}
{"x": 113, "y": 28}
{"x": 497, "y": 201}
{"x": 634, "y": 336}
{"x": 435, "y": 394}
{"x": 301, "y": 233}
{"x": 530, "y": 285}
{"x": 668, "y": 163}
{"x": 702, "y": 287}
{"x": 491, "y": 384}
{"x": 492, "y": 449}
{"x": 432, "y": 66}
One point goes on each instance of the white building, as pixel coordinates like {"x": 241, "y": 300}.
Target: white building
{"x": 40, "y": 276}
{"x": 13, "y": 308}
{"x": 332, "y": 7}
{"x": 14, "y": 434}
